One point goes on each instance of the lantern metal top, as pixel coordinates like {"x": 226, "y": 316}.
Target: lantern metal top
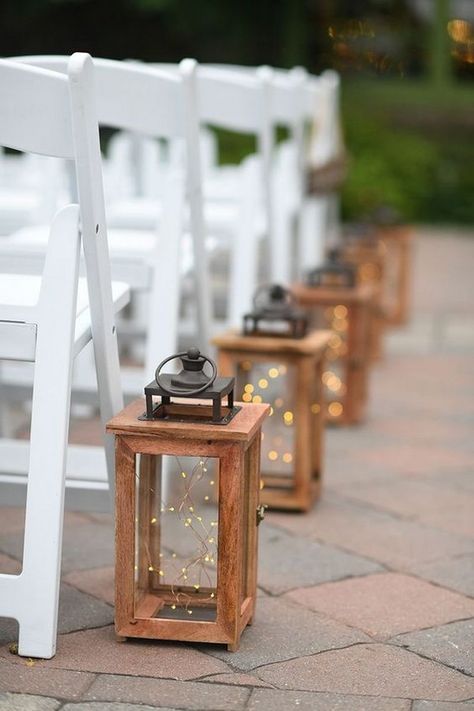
{"x": 333, "y": 273}
{"x": 189, "y": 383}
{"x": 275, "y": 314}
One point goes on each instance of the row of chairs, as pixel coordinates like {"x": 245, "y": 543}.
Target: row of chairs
{"x": 163, "y": 230}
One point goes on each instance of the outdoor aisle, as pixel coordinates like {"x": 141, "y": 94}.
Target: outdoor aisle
{"x": 366, "y": 604}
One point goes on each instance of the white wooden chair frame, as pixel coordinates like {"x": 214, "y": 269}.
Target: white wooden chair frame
{"x": 158, "y": 105}
{"x": 51, "y": 114}
{"x": 319, "y": 225}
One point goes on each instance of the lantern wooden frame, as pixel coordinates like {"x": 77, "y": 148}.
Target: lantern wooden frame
{"x": 302, "y": 486}
{"x": 398, "y": 244}
{"x": 237, "y": 447}
{"x": 358, "y": 301}
{"x": 368, "y": 257}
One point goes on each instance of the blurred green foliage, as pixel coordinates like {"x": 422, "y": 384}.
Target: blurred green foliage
{"x": 387, "y": 167}
{"x": 411, "y": 148}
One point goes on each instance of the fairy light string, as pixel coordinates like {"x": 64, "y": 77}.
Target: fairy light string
{"x": 268, "y": 382}
{"x": 181, "y": 569}
{"x": 337, "y": 319}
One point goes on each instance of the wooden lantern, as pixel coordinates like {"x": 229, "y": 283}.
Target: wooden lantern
{"x": 285, "y": 372}
{"x": 187, "y": 510}
{"x": 362, "y": 249}
{"x": 336, "y": 301}
{"x": 397, "y": 243}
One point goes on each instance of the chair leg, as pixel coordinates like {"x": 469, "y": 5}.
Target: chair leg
{"x": 312, "y": 236}
{"x": 244, "y": 250}
{"x": 40, "y": 578}
{"x": 45, "y": 504}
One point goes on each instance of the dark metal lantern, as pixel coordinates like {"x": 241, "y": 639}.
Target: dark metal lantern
{"x": 191, "y": 382}
{"x": 333, "y": 273}
{"x": 275, "y": 314}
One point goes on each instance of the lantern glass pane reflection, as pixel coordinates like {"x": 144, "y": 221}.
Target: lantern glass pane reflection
{"x": 275, "y": 384}
{"x": 176, "y": 535}
{"x": 336, "y": 318}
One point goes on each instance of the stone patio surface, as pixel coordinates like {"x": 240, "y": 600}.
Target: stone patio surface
{"x": 366, "y": 603}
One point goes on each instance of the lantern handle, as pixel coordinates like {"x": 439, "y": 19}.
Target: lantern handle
{"x": 267, "y": 289}
{"x": 179, "y": 392}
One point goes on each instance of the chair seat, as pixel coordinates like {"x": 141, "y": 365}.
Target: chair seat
{"x": 128, "y": 249}
{"x": 19, "y": 294}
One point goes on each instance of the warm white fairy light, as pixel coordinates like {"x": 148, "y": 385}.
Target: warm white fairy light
{"x": 192, "y": 520}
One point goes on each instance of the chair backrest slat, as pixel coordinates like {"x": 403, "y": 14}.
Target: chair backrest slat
{"x": 35, "y": 115}
{"x": 231, "y": 100}
{"x": 130, "y": 97}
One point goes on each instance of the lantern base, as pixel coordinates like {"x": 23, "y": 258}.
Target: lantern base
{"x": 194, "y": 414}
{"x": 283, "y": 494}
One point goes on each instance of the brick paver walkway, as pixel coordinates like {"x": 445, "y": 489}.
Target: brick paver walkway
{"x": 367, "y": 603}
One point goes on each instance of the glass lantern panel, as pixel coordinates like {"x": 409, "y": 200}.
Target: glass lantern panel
{"x": 272, "y": 382}
{"x": 176, "y": 541}
{"x": 335, "y": 317}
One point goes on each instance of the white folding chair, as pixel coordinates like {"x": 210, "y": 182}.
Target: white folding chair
{"x": 319, "y": 225}
{"x": 238, "y": 101}
{"x": 238, "y": 205}
{"x": 160, "y": 106}
{"x": 48, "y": 319}
{"x": 284, "y": 95}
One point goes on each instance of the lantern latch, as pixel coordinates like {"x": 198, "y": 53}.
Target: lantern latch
{"x": 260, "y": 513}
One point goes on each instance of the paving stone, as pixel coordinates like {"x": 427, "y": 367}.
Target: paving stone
{"x": 8, "y": 630}
{"x": 462, "y": 480}
{"x": 372, "y": 669}
{"x": 98, "y": 651}
{"x": 287, "y": 562}
{"x": 339, "y": 471}
{"x": 9, "y": 565}
{"x": 236, "y": 679}
{"x": 27, "y": 677}
{"x": 78, "y": 611}
{"x": 459, "y": 331}
{"x": 85, "y": 546}
{"x": 386, "y": 604}
{"x": 419, "y": 499}
{"x": 12, "y": 519}
{"x": 454, "y": 520}
{"x": 452, "y": 644}
{"x": 310, "y": 525}
{"x": 263, "y": 699}
{"x": 282, "y": 630}
{"x": 434, "y": 503}
{"x": 397, "y": 543}
{"x": 111, "y": 706}
{"x": 194, "y": 696}
{"x": 27, "y": 702}
{"x": 416, "y": 459}
{"x": 442, "y": 706}
{"x": 440, "y": 428}
{"x": 98, "y": 582}
{"x": 454, "y": 573}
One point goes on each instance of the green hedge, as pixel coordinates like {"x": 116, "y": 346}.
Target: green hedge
{"x": 410, "y": 149}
